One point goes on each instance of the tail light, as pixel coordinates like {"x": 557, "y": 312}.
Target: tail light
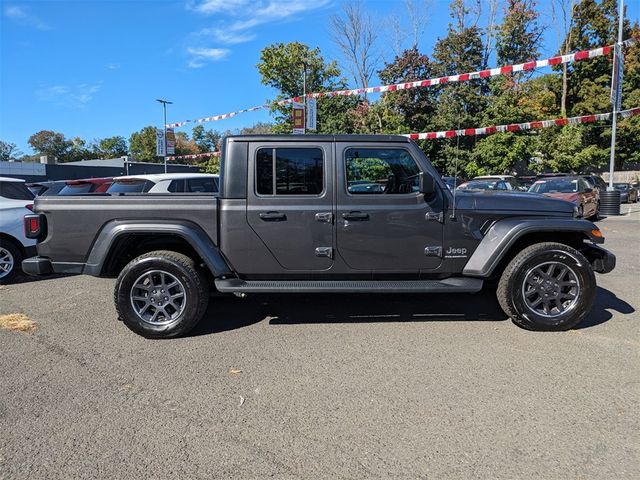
{"x": 35, "y": 226}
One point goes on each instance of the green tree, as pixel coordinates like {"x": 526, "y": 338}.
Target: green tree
{"x": 519, "y": 35}
{"x": 142, "y": 144}
{"x": 211, "y": 165}
{"x": 458, "y": 105}
{"x": 78, "y": 150}
{"x": 8, "y": 151}
{"x": 281, "y": 67}
{"x": 112, "y": 147}
{"x": 185, "y": 145}
{"x": 260, "y": 128}
{"x": 206, "y": 140}
{"x": 47, "y": 142}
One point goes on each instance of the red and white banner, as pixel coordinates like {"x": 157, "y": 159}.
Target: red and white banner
{"x": 512, "y": 127}
{"x": 518, "y": 127}
{"x": 463, "y": 77}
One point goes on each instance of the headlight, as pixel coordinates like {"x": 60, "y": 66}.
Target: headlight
{"x": 576, "y": 211}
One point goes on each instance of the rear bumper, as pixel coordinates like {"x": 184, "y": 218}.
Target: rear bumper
{"x": 602, "y": 261}
{"x": 37, "y": 266}
{"x": 44, "y": 266}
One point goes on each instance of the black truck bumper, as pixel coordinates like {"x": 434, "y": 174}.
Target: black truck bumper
{"x": 37, "y": 266}
{"x": 602, "y": 261}
{"x": 44, "y": 266}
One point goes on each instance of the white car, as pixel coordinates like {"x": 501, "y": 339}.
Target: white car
{"x": 509, "y": 180}
{"x": 15, "y": 202}
{"x": 166, "y": 183}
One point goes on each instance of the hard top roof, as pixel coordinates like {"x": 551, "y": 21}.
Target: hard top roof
{"x": 318, "y": 138}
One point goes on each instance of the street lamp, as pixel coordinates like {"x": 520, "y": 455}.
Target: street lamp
{"x": 164, "y": 123}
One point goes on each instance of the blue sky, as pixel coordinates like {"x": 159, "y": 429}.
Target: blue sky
{"x": 94, "y": 68}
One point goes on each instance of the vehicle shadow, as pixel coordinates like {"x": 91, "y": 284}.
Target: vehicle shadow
{"x": 605, "y": 300}
{"x": 230, "y": 313}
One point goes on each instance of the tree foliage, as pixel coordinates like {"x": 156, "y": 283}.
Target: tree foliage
{"x": 142, "y": 145}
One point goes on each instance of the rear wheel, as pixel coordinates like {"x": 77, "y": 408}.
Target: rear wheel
{"x": 547, "y": 286}
{"x": 161, "y": 294}
{"x": 10, "y": 261}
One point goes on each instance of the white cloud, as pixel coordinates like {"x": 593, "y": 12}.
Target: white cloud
{"x": 113, "y": 66}
{"x": 21, "y": 16}
{"x": 209, "y": 53}
{"x": 76, "y": 96}
{"x": 202, "y": 55}
{"x": 235, "y": 19}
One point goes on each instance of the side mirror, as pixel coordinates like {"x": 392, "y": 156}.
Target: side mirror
{"x": 588, "y": 190}
{"x": 427, "y": 184}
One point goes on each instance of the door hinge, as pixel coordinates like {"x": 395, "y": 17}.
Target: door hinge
{"x": 433, "y": 251}
{"x": 434, "y": 216}
{"x": 324, "y": 252}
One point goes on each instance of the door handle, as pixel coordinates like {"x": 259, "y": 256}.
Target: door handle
{"x": 272, "y": 216}
{"x": 355, "y": 216}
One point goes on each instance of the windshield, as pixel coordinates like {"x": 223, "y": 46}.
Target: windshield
{"x": 483, "y": 185}
{"x": 555, "y": 185}
{"x": 621, "y": 186}
{"x": 130, "y": 186}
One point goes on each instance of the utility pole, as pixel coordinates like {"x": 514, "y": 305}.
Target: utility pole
{"x": 164, "y": 124}
{"x": 617, "y": 69}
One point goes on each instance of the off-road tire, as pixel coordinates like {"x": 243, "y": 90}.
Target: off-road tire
{"x": 510, "y": 290}
{"x": 179, "y": 266}
{"x": 16, "y": 253}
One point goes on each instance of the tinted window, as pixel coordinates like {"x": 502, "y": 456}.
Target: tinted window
{"x": 15, "y": 191}
{"x": 201, "y": 185}
{"x": 176, "y": 186}
{"x": 559, "y": 185}
{"x": 53, "y": 189}
{"x": 77, "y": 189}
{"x": 130, "y": 186}
{"x": 378, "y": 171}
{"x": 298, "y": 171}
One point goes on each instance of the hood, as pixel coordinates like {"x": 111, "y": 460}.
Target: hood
{"x": 512, "y": 201}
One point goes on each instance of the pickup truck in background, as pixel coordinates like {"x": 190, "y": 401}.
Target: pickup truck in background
{"x": 323, "y": 213}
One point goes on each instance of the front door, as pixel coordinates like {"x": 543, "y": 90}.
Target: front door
{"x": 290, "y": 203}
{"x": 383, "y": 223}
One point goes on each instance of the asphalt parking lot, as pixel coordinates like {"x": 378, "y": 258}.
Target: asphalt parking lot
{"x": 326, "y": 386}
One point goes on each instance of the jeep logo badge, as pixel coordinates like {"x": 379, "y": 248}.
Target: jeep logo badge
{"x": 455, "y": 253}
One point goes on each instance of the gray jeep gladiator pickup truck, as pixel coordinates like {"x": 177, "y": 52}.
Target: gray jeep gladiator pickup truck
{"x": 322, "y": 213}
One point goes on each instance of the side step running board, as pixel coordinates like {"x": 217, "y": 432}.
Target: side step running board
{"x": 457, "y": 284}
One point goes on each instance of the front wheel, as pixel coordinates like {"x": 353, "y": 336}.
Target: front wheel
{"x": 547, "y": 286}
{"x": 161, "y": 294}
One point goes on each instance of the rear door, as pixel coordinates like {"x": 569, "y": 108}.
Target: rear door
{"x": 383, "y": 224}
{"x": 290, "y": 203}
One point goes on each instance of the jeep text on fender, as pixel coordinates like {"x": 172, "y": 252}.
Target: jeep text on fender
{"x": 322, "y": 213}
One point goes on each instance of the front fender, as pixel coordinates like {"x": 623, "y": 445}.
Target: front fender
{"x": 190, "y": 232}
{"x": 504, "y": 233}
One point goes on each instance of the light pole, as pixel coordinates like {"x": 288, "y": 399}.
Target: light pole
{"x": 616, "y": 100}
{"x": 164, "y": 123}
